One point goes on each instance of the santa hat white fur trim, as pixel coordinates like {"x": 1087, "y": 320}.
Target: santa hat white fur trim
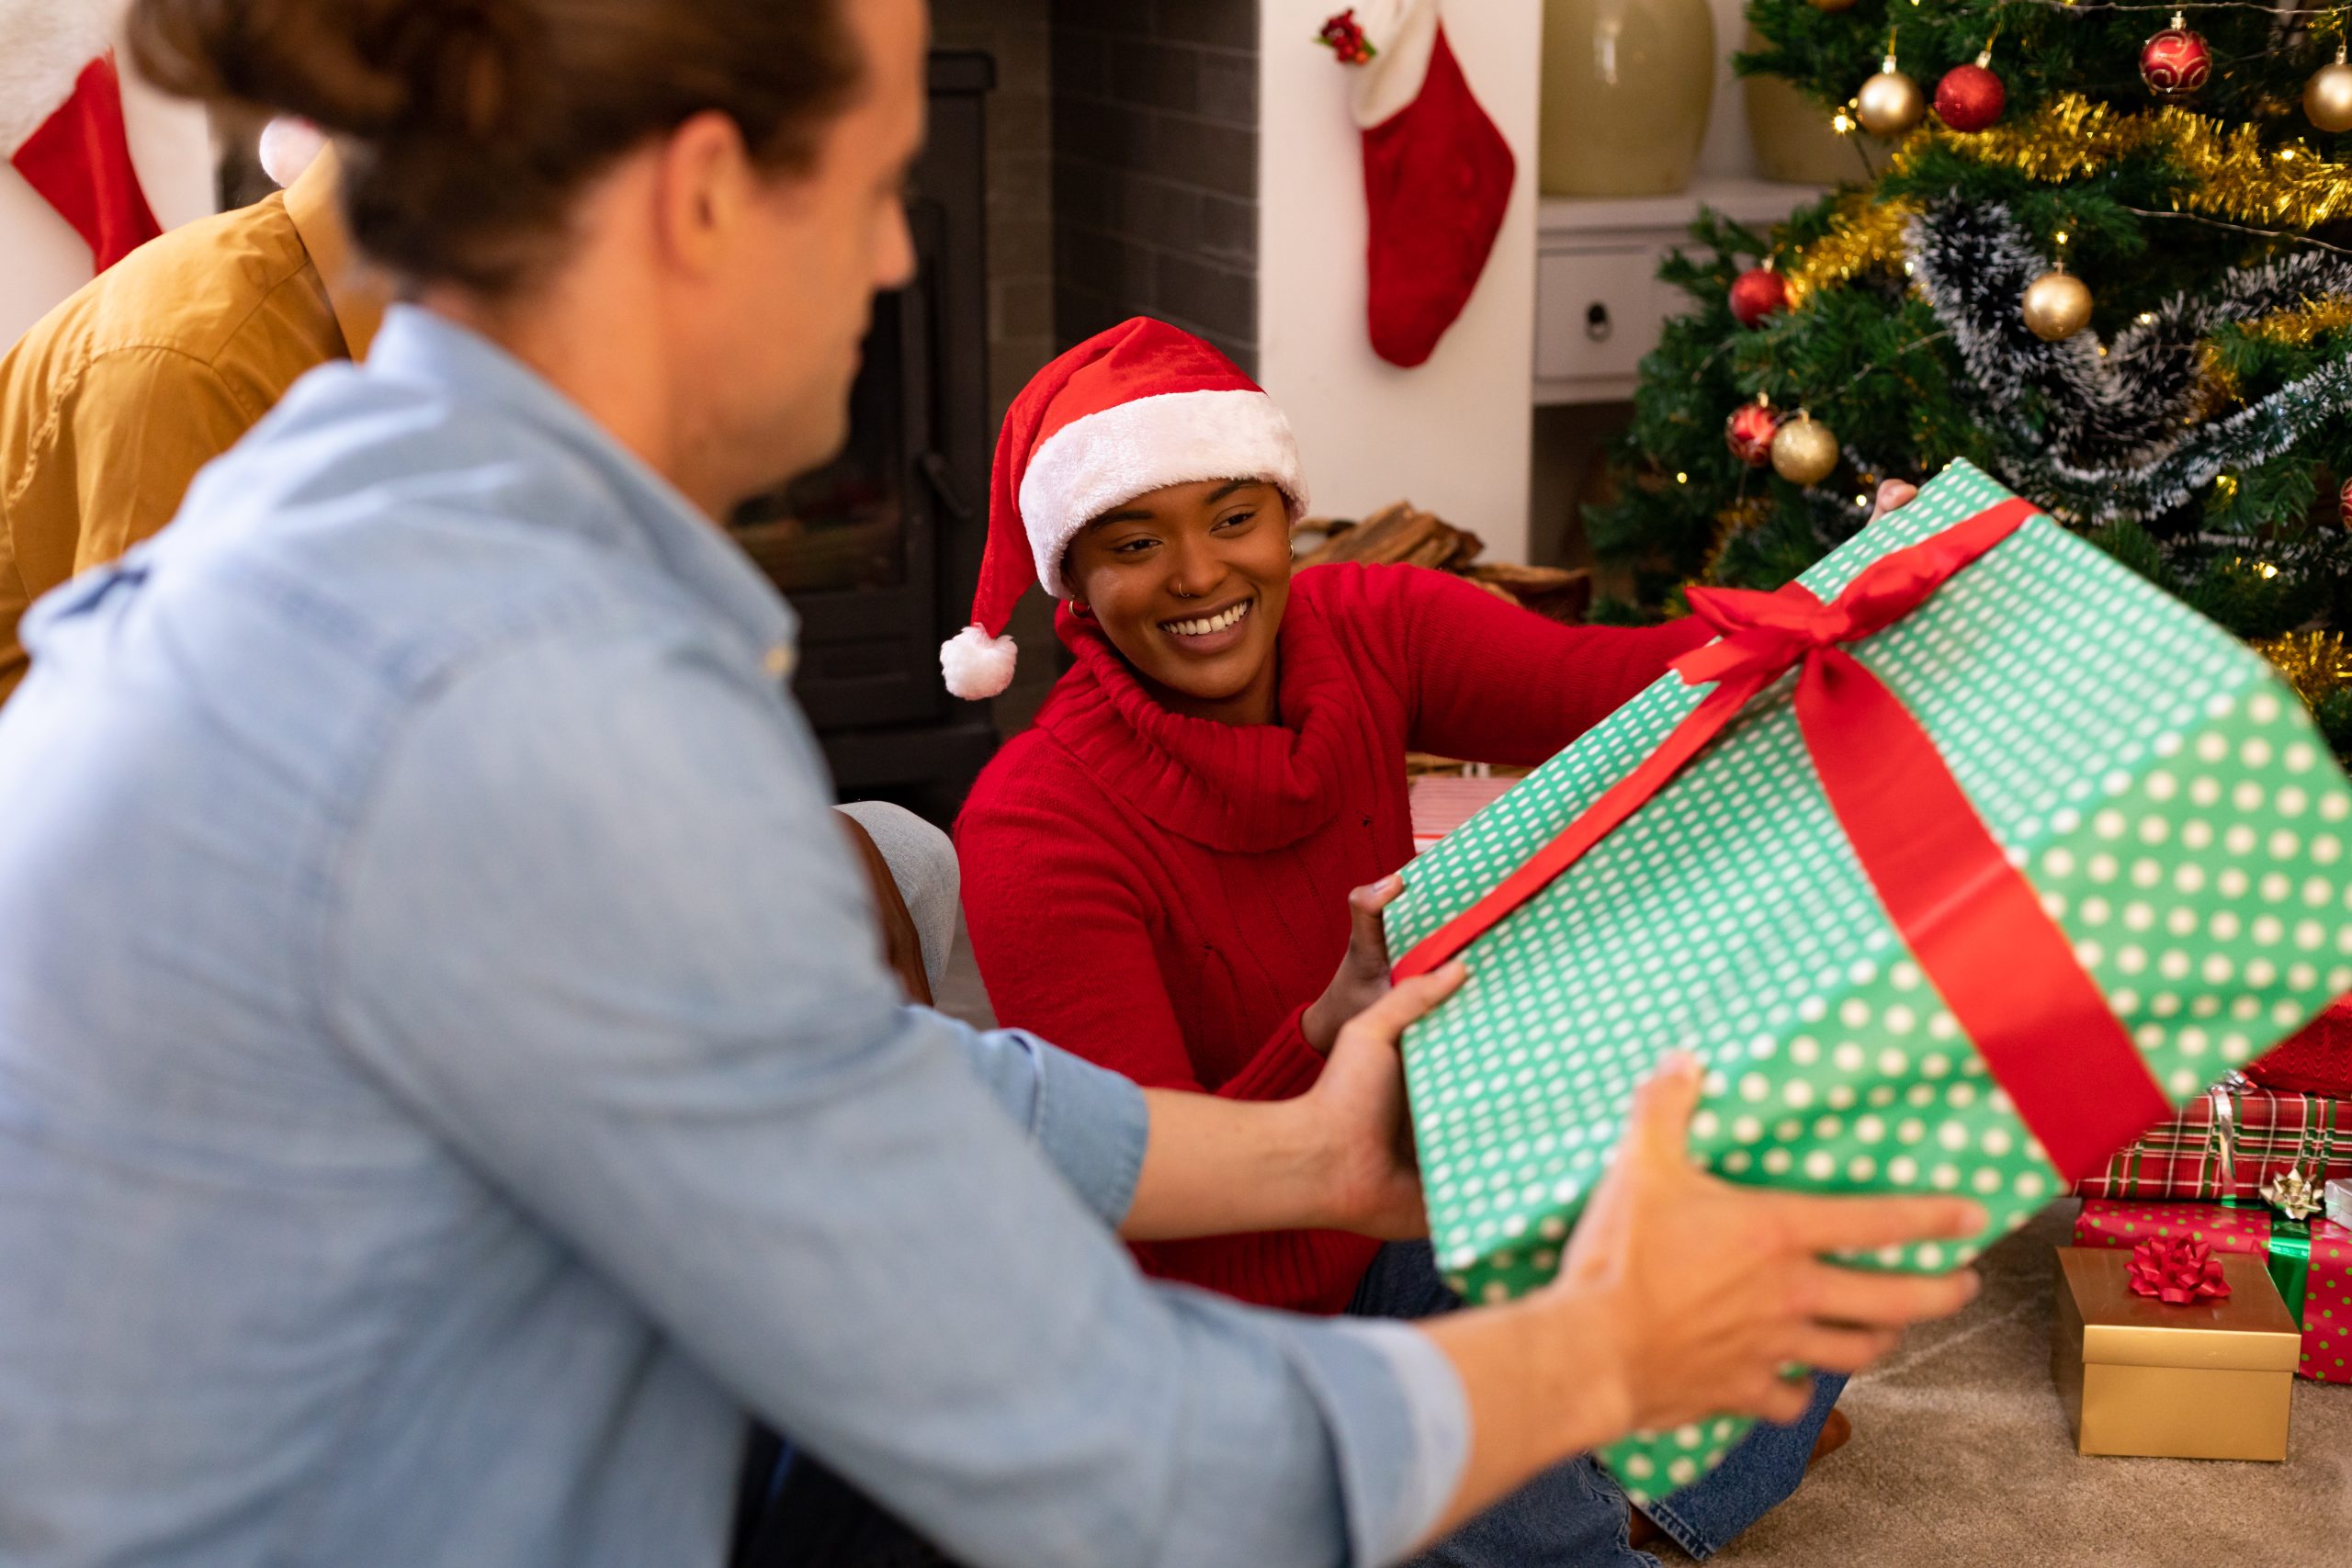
{"x": 1403, "y": 35}
{"x": 977, "y": 665}
{"x": 44, "y": 47}
{"x": 1091, "y": 465}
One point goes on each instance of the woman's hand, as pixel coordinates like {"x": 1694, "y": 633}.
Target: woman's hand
{"x": 1891, "y": 494}
{"x": 1362, "y": 977}
{"x": 1680, "y": 1297}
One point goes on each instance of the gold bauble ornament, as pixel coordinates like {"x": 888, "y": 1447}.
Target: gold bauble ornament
{"x": 2057, "y": 305}
{"x": 1804, "y": 450}
{"x": 2327, "y": 96}
{"x": 1890, "y": 103}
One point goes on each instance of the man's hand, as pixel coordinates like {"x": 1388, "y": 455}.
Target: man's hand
{"x": 1337, "y": 1157}
{"x": 1358, "y": 1109}
{"x": 1362, "y": 977}
{"x": 1706, "y": 1330}
{"x": 1645, "y": 1330}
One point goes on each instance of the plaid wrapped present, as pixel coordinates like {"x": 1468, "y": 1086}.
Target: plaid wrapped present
{"x": 2310, "y": 1261}
{"x": 2229, "y": 1142}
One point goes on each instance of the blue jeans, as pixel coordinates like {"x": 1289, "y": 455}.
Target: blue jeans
{"x": 1573, "y": 1515}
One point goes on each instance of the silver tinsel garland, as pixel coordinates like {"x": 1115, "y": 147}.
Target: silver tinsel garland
{"x": 2114, "y": 435}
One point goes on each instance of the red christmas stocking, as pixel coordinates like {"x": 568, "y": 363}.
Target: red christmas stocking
{"x": 60, "y": 122}
{"x": 1437, "y": 175}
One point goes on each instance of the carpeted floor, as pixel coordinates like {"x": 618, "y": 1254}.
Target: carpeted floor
{"x": 1961, "y": 1457}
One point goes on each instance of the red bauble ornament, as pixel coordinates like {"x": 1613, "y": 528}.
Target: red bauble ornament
{"x": 2177, "y": 63}
{"x": 1748, "y": 433}
{"x": 1756, "y": 293}
{"x": 1970, "y": 98}
{"x": 2344, "y": 504}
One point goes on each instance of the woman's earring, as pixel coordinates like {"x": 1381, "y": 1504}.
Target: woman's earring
{"x": 1078, "y": 607}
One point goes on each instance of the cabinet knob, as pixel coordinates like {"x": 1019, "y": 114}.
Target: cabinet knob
{"x": 1597, "y": 325}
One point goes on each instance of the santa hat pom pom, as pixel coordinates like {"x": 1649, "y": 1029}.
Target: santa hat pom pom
{"x": 976, "y": 664}
{"x": 290, "y": 144}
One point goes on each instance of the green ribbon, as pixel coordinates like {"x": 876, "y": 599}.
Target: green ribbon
{"x": 2288, "y": 1257}
{"x": 2290, "y": 1261}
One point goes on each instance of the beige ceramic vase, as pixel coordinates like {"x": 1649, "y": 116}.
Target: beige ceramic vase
{"x": 1793, "y": 138}
{"x": 1627, "y": 85}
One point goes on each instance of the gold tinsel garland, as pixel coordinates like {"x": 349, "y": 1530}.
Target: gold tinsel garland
{"x": 1864, "y": 235}
{"x": 2314, "y": 663}
{"x": 2297, "y": 326}
{"x": 1748, "y": 511}
{"x": 2234, "y": 177}
{"x": 2293, "y": 327}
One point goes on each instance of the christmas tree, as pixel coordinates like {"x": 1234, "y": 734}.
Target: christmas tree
{"x": 2104, "y": 254}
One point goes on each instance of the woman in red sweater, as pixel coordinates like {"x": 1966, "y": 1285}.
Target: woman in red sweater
{"x": 1158, "y": 873}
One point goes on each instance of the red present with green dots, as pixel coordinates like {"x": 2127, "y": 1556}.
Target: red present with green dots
{"x": 2310, "y": 1260}
{"x": 2227, "y": 1143}
{"x": 2103, "y": 863}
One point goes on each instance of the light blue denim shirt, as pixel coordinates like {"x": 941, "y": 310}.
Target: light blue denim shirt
{"x": 446, "y": 1078}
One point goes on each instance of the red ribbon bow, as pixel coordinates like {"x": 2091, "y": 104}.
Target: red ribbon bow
{"x": 2175, "y": 1270}
{"x": 1970, "y": 919}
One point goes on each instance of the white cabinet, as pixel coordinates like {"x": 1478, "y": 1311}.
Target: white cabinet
{"x": 1598, "y": 305}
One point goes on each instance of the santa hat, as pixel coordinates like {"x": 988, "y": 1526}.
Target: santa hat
{"x": 61, "y": 121}
{"x": 1128, "y": 411}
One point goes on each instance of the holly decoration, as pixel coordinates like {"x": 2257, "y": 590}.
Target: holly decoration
{"x": 1757, "y": 293}
{"x": 1343, "y": 35}
{"x": 1749, "y": 431}
{"x": 1971, "y": 97}
{"x": 2177, "y": 63}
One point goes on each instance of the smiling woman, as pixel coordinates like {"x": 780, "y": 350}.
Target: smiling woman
{"x": 1179, "y": 870}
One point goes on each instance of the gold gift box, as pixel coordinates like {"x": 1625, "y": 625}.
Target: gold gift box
{"x": 2201, "y": 1379}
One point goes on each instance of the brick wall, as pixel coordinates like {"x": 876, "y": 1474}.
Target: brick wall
{"x": 1155, "y": 168}
{"x": 1020, "y": 166}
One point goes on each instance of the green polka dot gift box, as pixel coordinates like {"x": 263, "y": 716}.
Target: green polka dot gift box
{"x": 1959, "y": 863}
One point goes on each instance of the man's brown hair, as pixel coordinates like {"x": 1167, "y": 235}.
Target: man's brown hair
{"x": 466, "y": 126}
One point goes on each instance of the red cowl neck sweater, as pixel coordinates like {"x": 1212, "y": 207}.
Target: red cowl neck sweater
{"x": 1165, "y": 894}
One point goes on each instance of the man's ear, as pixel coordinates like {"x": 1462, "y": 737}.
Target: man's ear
{"x": 702, "y": 190}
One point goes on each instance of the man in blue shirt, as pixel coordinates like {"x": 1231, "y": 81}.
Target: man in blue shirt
{"x": 445, "y": 1082}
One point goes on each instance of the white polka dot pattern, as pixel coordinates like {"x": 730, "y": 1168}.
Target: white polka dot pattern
{"x": 2167, "y": 797}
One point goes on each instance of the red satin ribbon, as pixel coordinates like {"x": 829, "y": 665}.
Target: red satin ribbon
{"x": 1970, "y": 919}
